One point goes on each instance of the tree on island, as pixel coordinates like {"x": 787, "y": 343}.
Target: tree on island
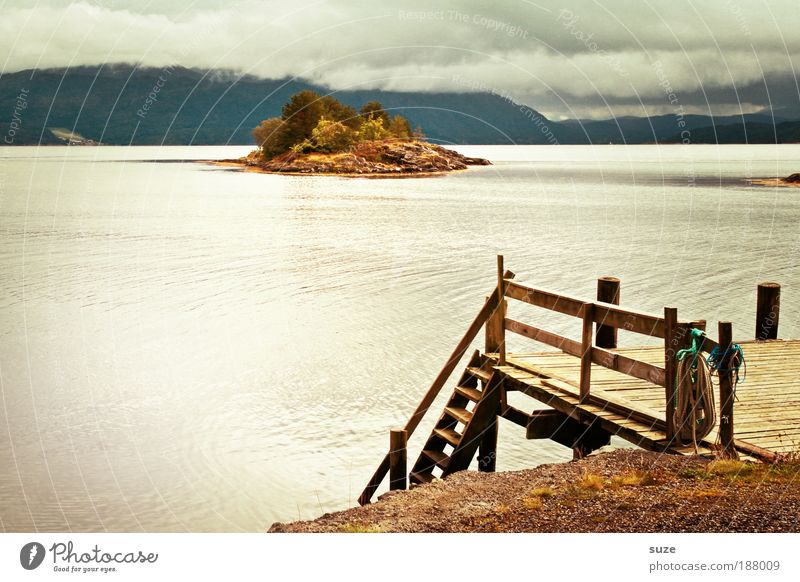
{"x": 310, "y": 122}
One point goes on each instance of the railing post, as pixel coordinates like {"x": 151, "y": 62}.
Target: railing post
{"x": 768, "y": 308}
{"x": 586, "y": 351}
{"x": 607, "y": 292}
{"x": 398, "y": 462}
{"x": 671, "y": 346}
{"x": 496, "y": 325}
{"x": 726, "y": 391}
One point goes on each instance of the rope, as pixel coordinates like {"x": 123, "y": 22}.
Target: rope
{"x": 736, "y": 355}
{"x": 695, "y": 411}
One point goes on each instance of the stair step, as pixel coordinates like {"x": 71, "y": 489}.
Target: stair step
{"x": 449, "y": 435}
{"x": 471, "y": 393}
{"x": 441, "y": 459}
{"x": 420, "y": 478}
{"x": 462, "y": 415}
{"x": 480, "y": 374}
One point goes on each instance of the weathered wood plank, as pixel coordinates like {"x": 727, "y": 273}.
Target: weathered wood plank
{"x": 604, "y": 313}
{"x": 398, "y": 460}
{"x": 671, "y": 347}
{"x": 768, "y": 308}
{"x": 629, "y": 366}
{"x": 555, "y": 340}
{"x": 726, "y": 387}
{"x": 586, "y": 351}
{"x": 516, "y": 415}
{"x": 607, "y": 292}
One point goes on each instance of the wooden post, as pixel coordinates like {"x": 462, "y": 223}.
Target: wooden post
{"x": 768, "y": 308}
{"x": 398, "y": 463}
{"x": 496, "y": 330}
{"x": 726, "y": 391}
{"x": 607, "y": 292}
{"x": 496, "y": 326}
{"x": 586, "y": 351}
{"x": 487, "y": 448}
{"x": 671, "y": 346}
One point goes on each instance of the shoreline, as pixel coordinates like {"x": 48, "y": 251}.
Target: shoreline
{"x": 371, "y": 159}
{"x": 773, "y": 182}
{"x": 243, "y": 166}
{"x": 626, "y": 490}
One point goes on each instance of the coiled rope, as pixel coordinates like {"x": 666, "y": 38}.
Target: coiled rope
{"x": 695, "y": 411}
{"x": 716, "y": 357}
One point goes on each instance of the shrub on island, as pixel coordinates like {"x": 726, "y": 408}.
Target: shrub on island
{"x": 310, "y": 122}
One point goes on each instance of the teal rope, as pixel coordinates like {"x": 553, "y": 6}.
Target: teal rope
{"x": 716, "y": 357}
{"x": 693, "y": 351}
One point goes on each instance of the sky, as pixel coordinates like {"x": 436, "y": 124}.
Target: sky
{"x": 573, "y": 59}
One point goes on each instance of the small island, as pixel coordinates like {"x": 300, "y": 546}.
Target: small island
{"x": 319, "y": 135}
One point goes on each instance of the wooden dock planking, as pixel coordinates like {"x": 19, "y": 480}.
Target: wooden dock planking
{"x": 767, "y": 406}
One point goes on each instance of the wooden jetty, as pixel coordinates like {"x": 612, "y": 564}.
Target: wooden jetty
{"x": 592, "y": 389}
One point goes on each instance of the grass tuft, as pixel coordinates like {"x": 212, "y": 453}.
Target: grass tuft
{"x": 729, "y": 468}
{"x": 633, "y": 479}
{"x": 532, "y": 502}
{"x": 353, "y": 527}
{"x": 700, "y": 494}
{"x": 590, "y": 482}
{"x": 542, "y": 492}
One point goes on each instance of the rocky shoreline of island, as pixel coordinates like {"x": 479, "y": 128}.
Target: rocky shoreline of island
{"x": 792, "y": 181}
{"x": 391, "y": 158}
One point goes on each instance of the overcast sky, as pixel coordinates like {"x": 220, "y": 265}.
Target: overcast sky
{"x": 566, "y": 59}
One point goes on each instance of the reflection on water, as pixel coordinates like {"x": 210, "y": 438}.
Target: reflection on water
{"x": 190, "y": 348}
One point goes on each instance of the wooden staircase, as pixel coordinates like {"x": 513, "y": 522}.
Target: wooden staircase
{"x": 472, "y": 408}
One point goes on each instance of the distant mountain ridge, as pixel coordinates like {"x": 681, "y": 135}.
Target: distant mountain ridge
{"x": 123, "y": 104}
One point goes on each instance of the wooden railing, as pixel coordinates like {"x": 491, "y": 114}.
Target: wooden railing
{"x": 608, "y": 316}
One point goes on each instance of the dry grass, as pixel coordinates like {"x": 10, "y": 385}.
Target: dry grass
{"x": 542, "y": 492}
{"x": 633, "y": 479}
{"x": 590, "y": 482}
{"x": 532, "y": 502}
{"x": 730, "y": 468}
{"x": 353, "y": 527}
{"x": 535, "y": 496}
{"x": 701, "y": 494}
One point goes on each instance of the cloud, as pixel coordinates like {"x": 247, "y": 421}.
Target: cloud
{"x": 580, "y": 58}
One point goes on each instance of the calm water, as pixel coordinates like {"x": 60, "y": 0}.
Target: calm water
{"x": 184, "y": 347}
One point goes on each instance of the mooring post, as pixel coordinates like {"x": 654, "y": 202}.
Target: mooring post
{"x": 607, "y": 292}
{"x": 671, "y": 347}
{"x": 586, "y": 351}
{"x": 768, "y": 308}
{"x": 398, "y": 462}
{"x": 726, "y": 390}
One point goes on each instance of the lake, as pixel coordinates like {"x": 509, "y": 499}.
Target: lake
{"x": 190, "y": 348}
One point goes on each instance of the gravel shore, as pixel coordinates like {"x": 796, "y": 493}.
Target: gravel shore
{"x": 620, "y": 491}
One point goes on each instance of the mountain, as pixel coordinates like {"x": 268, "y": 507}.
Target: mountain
{"x": 750, "y": 132}
{"x": 660, "y": 128}
{"x": 124, "y": 104}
